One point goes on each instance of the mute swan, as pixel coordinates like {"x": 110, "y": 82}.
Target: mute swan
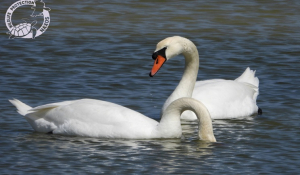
{"x": 95, "y": 118}
{"x": 223, "y": 98}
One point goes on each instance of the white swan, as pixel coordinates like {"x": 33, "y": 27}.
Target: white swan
{"x": 95, "y": 118}
{"x": 223, "y": 98}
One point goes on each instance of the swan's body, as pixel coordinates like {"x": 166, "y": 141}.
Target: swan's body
{"x": 223, "y": 98}
{"x": 95, "y": 118}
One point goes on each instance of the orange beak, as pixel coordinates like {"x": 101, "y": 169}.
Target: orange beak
{"x": 159, "y": 61}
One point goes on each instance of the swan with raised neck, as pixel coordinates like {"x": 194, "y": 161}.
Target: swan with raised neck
{"x": 173, "y": 46}
{"x": 223, "y": 98}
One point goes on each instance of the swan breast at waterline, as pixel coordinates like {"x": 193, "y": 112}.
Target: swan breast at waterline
{"x": 224, "y": 99}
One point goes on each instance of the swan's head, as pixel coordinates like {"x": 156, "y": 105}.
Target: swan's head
{"x": 165, "y": 50}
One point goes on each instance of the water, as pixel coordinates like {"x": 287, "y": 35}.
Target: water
{"x": 102, "y": 50}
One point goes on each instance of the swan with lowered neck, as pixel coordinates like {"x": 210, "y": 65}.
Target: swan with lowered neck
{"x": 96, "y": 118}
{"x": 223, "y": 98}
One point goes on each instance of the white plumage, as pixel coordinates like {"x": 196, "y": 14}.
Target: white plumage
{"x": 224, "y": 99}
{"x": 95, "y": 118}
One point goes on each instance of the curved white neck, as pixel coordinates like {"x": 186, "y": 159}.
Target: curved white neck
{"x": 187, "y": 83}
{"x": 170, "y": 121}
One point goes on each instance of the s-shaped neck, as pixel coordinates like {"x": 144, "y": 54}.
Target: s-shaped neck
{"x": 187, "y": 83}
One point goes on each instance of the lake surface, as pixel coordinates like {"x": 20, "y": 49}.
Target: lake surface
{"x": 102, "y": 50}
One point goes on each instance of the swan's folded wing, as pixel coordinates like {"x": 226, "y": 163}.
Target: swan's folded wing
{"x": 227, "y": 98}
{"x": 51, "y": 106}
{"x": 255, "y": 88}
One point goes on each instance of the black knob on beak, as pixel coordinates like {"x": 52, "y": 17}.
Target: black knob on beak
{"x": 154, "y": 55}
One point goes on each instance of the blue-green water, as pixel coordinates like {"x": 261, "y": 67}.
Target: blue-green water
{"x": 102, "y": 50}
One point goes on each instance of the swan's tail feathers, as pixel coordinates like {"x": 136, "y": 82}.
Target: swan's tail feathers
{"x": 248, "y": 77}
{"x": 22, "y": 107}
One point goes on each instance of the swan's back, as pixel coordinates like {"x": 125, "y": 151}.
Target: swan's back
{"x": 226, "y": 98}
{"x": 93, "y": 118}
